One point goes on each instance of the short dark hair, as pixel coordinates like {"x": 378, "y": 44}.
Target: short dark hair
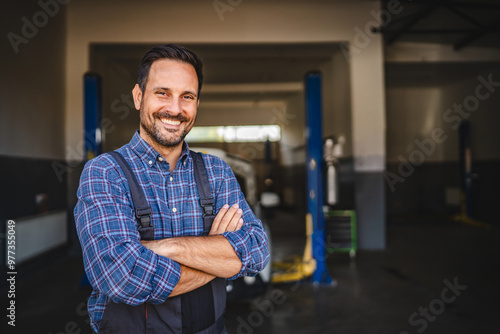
{"x": 169, "y": 51}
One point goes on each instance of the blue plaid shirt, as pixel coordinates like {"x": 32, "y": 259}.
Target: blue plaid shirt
{"x": 117, "y": 265}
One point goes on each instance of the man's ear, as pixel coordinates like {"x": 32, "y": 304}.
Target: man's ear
{"x": 137, "y": 95}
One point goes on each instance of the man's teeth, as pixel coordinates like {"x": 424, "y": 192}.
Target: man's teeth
{"x": 169, "y": 121}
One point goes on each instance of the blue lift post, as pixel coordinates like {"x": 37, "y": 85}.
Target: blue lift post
{"x": 92, "y": 115}
{"x": 314, "y": 162}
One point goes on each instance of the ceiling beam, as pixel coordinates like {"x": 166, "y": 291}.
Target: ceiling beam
{"x": 421, "y": 14}
{"x": 444, "y": 31}
{"x": 471, "y": 4}
{"x": 464, "y": 16}
{"x": 475, "y": 36}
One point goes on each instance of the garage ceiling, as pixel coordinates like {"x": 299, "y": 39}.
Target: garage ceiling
{"x": 232, "y": 63}
{"x": 227, "y": 65}
{"x": 461, "y": 23}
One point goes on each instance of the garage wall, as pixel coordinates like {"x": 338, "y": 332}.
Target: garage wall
{"x": 32, "y": 136}
{"x": 32, "y": 113}
{"x": 412, "y": 113}
{"x": 480, "y": 96}
{"x": 337, "y": 118}
{"x": 32, "y": 85}
{"x": 415, "y": 112}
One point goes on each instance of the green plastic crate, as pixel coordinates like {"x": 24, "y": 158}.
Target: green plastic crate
{"x": 341, "y": 232}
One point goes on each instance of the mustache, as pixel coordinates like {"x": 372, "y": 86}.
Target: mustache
{"x": 166, "y": 114}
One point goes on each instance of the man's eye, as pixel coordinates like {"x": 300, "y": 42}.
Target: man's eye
{"x": 189, "y": 97}
{"x": 161, "y": 93}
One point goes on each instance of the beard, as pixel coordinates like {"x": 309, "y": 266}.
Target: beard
{"x": 154, "y": 129}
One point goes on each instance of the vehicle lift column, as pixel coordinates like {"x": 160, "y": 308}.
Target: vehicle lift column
{"x": 92, "y": 115}
{"x": 314, "y": 162}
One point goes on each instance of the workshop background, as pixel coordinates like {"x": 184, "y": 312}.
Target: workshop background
{"x": 410, "y": 96}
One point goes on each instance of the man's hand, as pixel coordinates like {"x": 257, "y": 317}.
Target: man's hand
{"x": 228, "y": 219}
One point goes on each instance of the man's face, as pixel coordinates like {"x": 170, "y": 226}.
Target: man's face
{"x": 169, "y": 103}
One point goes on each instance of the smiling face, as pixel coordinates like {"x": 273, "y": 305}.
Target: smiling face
{"x": 168, "y": 105}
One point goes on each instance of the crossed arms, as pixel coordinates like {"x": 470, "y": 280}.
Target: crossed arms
{"x": 121, "y": 268}
{"x": 203, "y": 258}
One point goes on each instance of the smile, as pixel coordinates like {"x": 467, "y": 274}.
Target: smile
{"x": 169, "y": 121}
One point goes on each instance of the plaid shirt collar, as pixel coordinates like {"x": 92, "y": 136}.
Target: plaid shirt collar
{"x": 149, "y": 154}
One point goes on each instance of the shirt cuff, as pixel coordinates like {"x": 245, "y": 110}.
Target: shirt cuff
{"x": 237, "y": 241}
{"x": 166, "y": 277}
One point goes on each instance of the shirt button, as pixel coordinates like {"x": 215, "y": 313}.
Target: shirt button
{"x": 174, "y": 210}
{"x": 150, "y": 162}
{"x": 160, "y": 158}
{"x": 171, "y": 178}
{"x": 184, "y": 163}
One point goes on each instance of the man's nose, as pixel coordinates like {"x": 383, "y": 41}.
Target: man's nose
{"x": 174, "y": 107}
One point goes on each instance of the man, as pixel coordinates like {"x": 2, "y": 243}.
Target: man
{"x": 157, "y": 286}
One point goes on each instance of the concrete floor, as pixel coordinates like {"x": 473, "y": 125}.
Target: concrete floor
{"x": 403, "y": 289}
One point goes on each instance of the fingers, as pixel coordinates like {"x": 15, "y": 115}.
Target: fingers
{"x": 234, "y": 221}
{"x": 239, "y": 224}
{"x": 217, "y": 220}
{"x": 228, "y": 219}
